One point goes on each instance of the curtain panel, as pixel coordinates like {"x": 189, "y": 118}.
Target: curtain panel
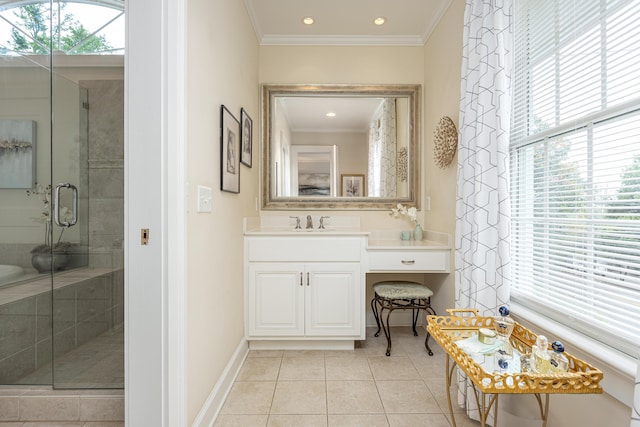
{"x": 382, "y": 152}
{"x": 482, "y": 199}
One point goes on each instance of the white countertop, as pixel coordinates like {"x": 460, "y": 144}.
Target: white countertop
{"x": 330, "y": 231}
{"x": 396, "y": 244}
{"x": 344, "y": 226}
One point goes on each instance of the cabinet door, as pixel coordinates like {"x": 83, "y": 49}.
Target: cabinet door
{"x": 276, "y": 299}
{"x": 332, "y": 299}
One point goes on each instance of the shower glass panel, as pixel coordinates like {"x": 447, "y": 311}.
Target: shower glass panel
{"x": 63, "y": 320}
{"x": 25, "y": 178}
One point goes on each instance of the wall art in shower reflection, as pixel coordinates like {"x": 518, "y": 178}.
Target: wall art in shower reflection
{"x": 17, "y": 153}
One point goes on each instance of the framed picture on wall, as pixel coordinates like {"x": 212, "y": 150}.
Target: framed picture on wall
{"x": 229, "y": 151}
{"x": 352, "y": 185}
{"x": 17, "y": 153}
{"x": 246, "y": 136}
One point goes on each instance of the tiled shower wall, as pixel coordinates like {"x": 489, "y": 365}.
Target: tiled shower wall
{"x": 106, "y": 172}
{"x": 83, "y": 309}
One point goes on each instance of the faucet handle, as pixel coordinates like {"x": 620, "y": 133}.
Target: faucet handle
{"x": 297, "y": 218}
{"x": 322, "y": 218}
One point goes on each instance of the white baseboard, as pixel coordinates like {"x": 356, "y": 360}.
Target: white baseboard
{"x": 301, "y": 344}
{"x": 212, "y": 406}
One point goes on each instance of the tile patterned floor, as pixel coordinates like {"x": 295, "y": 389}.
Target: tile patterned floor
{"x": 362, "y": 387}
{"x": 97, "y": 364}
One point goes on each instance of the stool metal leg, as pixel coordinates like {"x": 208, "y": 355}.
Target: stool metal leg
{"x": 431, "y": 311}
{"x": 374, "y": 307}
{"x": 387, "y": 329}
{"x": 416, "y": 313}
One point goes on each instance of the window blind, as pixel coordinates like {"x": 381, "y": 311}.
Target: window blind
{"x": 575, "y": 165}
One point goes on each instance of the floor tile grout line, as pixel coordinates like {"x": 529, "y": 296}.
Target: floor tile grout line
{"x": 413, "y": 359}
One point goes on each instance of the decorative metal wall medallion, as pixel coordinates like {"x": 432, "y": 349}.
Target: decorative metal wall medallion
{"x": 445, "y": 142}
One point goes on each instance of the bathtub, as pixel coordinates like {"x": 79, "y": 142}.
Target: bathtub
{"x": 10, "y": 273}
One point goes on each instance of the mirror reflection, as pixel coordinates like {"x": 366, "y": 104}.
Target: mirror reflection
{"x": 339, "y": 146}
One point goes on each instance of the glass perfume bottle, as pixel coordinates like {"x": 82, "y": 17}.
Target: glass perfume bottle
{"x": 558, "y": 360}
{"x": 503, "y": 325}
{"x": 540, "y": 355}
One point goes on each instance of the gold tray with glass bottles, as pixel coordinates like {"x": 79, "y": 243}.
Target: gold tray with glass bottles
{"x": 451, "y": 331}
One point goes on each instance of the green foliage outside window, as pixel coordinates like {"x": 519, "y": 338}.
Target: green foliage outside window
{"x": 63, "y": 32}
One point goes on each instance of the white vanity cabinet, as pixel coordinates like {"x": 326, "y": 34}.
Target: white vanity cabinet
{"x": 292, "y": 299}
{"x": 305, "y": 287}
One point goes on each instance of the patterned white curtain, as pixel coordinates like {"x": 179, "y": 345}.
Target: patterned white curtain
{"x": 382, "y": 152}
{"x": 482, "y": 202}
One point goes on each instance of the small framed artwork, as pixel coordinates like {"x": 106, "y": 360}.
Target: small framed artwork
{"x": 352, "y": 185}
{"x": 229, "y": 151}
{"x": 246, "y": 136}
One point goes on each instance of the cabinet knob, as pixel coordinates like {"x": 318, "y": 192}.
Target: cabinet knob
{"x": 408, "y": 262}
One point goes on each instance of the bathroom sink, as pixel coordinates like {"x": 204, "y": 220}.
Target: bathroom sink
{"x": 302, "y": 231}
{"x": 286, "y": 226}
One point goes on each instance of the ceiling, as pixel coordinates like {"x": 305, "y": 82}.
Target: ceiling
{"x": 309, "y": 114}
{"x": 345, "y": 22}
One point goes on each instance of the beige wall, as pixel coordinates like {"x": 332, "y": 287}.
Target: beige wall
{"x": 443, "y": 59}
{"x": 339, "y": 64}
{"x": 222, "y": 68}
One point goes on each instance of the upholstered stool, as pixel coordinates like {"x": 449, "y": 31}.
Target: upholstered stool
{"x": 400, "y": 295}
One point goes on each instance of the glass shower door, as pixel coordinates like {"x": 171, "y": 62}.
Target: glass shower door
{"x": 88, "y": 297}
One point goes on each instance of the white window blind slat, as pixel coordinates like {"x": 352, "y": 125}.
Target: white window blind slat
{"x": 575, "y": 165}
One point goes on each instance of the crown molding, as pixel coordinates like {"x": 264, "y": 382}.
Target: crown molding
{"x": 254, "y": 20}
{"x": 435, "y": 20}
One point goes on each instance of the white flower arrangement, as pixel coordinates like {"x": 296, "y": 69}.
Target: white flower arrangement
{"x": 401, "y": 209}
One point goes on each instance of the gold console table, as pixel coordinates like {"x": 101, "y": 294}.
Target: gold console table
{"x": 488, "y": 383}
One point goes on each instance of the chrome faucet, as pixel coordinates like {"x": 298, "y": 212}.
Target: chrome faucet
{"x": 322, "y": 218}
{"x": 309, "y": 222}
{"x": 297, "y": 218}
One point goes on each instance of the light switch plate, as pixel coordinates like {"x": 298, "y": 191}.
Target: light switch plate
{"x": 205, "y": 195}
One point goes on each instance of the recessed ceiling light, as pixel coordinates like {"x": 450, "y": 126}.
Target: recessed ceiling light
{"x": 308, "y": 20}
{"x": 379, "y": 20}
{"x": 330, "y": 114}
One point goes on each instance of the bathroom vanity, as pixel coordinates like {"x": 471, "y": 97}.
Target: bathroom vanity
{"x": 305, "y": 288}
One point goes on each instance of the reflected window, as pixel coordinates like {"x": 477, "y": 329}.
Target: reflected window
{"x": 72, "y": 28}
